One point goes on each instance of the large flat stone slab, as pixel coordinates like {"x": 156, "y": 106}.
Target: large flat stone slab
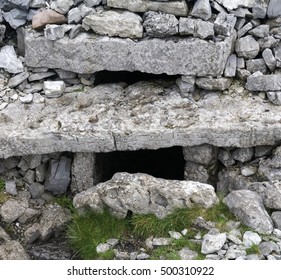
{"x": 89, "y": 53}
{"x": 142, "y": 116}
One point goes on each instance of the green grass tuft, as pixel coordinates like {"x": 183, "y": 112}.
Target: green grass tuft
{"x": 65, "y": 202}
{"x": 254, "y": 249}
{"x": 2, "y": 185}
{"x": 87, "y": 231}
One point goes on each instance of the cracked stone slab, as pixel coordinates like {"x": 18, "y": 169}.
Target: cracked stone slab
{"x": 144, "y": 115}
{"x": 86, "y": 54}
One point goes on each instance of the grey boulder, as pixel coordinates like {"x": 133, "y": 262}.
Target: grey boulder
{"x": 144, "y": 194}
{"x": 212, "y": 242}
{"x": 249, "y": 208}
{"x": 9, "y": 60}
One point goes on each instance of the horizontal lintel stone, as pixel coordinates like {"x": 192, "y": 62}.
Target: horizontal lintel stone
{"x": 264, "y": 83}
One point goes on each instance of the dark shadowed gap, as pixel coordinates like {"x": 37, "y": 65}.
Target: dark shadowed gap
{"x": 104, "y": 77}
{"x": 166, "y": 163}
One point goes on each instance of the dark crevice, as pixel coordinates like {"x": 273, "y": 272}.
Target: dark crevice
{"x": 167, "y": 163}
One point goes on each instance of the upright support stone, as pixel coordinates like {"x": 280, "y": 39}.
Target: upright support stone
{"x": 84, "y": 172}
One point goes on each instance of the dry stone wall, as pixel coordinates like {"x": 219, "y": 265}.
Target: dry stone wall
{"x": 210, "y": 85}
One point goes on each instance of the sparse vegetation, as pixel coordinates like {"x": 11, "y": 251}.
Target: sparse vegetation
{"x": 3, "y": 196}
{"x": 2, "y": 185}
{"x": 254, "y": 249}
{"x": 88, "y": 230}
{"x": 65, "y": 202}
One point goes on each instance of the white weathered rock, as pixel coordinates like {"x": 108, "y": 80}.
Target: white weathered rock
{"x": 123, "y": 24}
{"x": 10, "y": 187}
{"x": 9, "y": 60}
{"x": 251, "y": 238}
{"x": 175, "y": 235}
{"x": 212, "y": 242}
{"x": 276, "y": 217}
{"x": 186, "y": 84}
{"x": 53, "y": 89}
{"x": 144, "y": 194}
{"x": 187, "y": 254}
{"x": 26, "y": 99}
{"x": 161, "y": 241}
{"x": 178, "y": 8}
{"x": 248, "y": 206}
{"x": 202, "y": 154}
{"x": 197, "y": 57}
{"x": 102, "y": 248}
{"x": 234, "y": 4}
{"x": 224, "y": 24}
{"x": 54, "y": 32}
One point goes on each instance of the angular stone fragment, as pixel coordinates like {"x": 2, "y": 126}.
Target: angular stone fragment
{"x": 195, "y": 172}
{"x": 203, "y": 154}
{"x": 144, "y": 194}
{"x": 62, "y": 6}
{"x": 26, "y": 99}
{"x": 274, "y": 9}
{"x": 243, "y": 154}
{"x": 187, "y": 56}
{"x": 224, "y": 24}
{"x": 123, "y": 24}
{"x": 160, "y": 24}
{"x": 36, "y": 189}
{"x": 18, "y": 79}
{"x": 202, "y": 9}
{"x": 92, "y": 3}
{"x": 231, "y": 65}
{"x": 187, "y": 254}
{"x": 196, "y": 27}
{"x": 177, "y": 8}
{"x": 274, "y": 97}
{"x": 269, "y": 59}
{"x": 276, "y": 218}
{"x": 9, "y": 61}
{"x": 12, "y": 250}
{"x": 234, "y": 4}
{"x": 270, "y": 192}
{"x": 15, "y": 17}
{"x": 213, "y": 84}
{"x": 248, "y": 206}
{"x": 54, "y": 89}
{"x": 12, "y": 209}
{"x": 251, "y": 238}
{"x": 264, "y": 83}
{"x": 260, "y": 31}
{"x": 186, "y": 84}
{"x": 47, "y": 16}
{"x": 247, "y": 47}
{"x": 259, "y": 9}
{"x": 212, "y": 242}
{"x": 58, "y": 175}
{"x": 257, "y": 65}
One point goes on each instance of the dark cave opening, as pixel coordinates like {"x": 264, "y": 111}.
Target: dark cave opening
{"x": 166, "y": 163}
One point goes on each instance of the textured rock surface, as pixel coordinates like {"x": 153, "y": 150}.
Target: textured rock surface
{"x": 87, "y": 54}
{"x": 9, "y": 60}
{"x": 212, "y": 242}
{"x": 178, "y": 8}
{"x": 112, "y": 23}
{"x": 264, "y": 83}
{"x": 248, "y": 206}
{"x": 12, "y": 250}
{"x": 144, "y": 194}
{"x": 104, "y": 126}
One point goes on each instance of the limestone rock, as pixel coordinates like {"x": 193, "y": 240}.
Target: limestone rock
{"x": 47, "y": 16}
{"x": 187, "y": 254}
{"x": 196, "y": 27}
{"x": 123, "y": 24}
{"x": 177, "y": 8}
{"x": 54, "y": 32}
{"x": 58, "y": 175}
{"x": 269, "y": 59}
{"x": 13, "y": 250}
{"x": 202, "y": 9}
{"x": 196, "y": 172}
{"x": 186, "y": 84}
{"x": 247, "y": 47}
{"x": 276, "y": 218}
{"x": 212, "y": 242}
{"x": 224, "y": 24}
{"x": 161, "y": 241}
{"x": 198, "y": 57}
{"x": 270, "y": 192}
{"x": 243, "y": 154}
{"x": 54, "y": 89}
{"x": 102, "y": 248}
{"x": 12, "y": 209}
{"x": 264, "y": 83}
{"x": 10, "y": 187}
{"x": 144, "y": 194}
{"x": 202, "y": 154}
{"x": 234, "y": 4}
{"x": 62, "y": 6}
{"x": 231, "y": 65}
{"x": 268, "y": 247}
{"x": 160, "y": 25}
{"x": 18, "y": 79}
{"x": 251, "y": 238}
{"x": 15, "y": 17}
{"x": 36, "y": 189}
{"x": 213, "y": 84}
{"x": 274, "y": 9}
{"x": 248, "y": 206}
{"x": 9, "y": 61}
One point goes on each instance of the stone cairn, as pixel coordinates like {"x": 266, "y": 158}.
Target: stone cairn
{"x": 214, "y": 89}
